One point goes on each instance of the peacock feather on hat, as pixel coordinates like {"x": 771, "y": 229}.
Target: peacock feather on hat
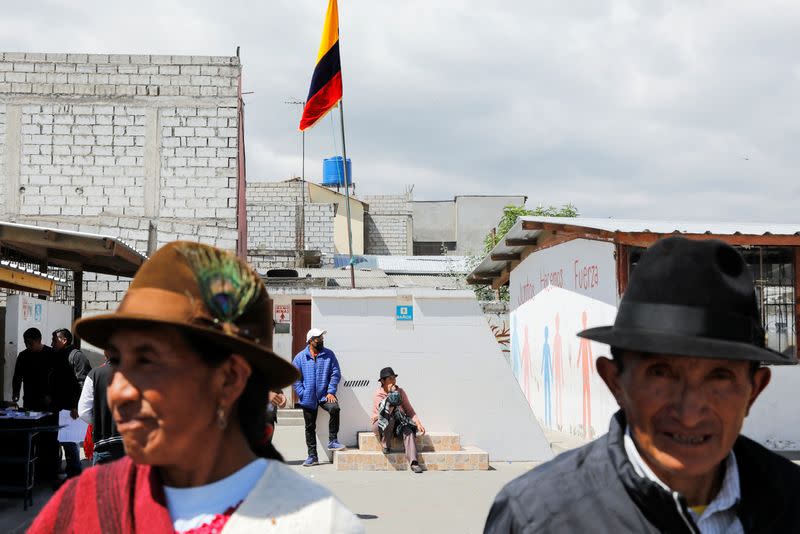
{"x": 228, "y": 286}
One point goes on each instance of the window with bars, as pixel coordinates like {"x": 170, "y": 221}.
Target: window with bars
{"x": 773, "y": 271}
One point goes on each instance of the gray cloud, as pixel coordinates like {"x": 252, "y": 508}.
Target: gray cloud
{"x": 625, "y": 108}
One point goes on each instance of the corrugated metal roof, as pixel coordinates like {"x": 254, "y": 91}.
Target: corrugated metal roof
{"x": 435, "y": 282}
{"x": 668, "y": 227}
{"x": 72, "y": 250}
{"x": 372, "y": 279}
{"x": 443, "y": 265}
{"x": 489, "y": 268}
{"x": 27, "y": 270}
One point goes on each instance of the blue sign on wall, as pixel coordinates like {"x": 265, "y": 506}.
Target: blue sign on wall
{"x": 405, "y": 313}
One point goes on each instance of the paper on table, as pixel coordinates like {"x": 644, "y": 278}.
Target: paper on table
{"x": 74, "y": 429}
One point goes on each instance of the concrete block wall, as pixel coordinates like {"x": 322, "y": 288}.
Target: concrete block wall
{"x": 319, "y": 230}
{"x": 117, "y": 144}
{"x": 388, "y": 225}
{"x": 273, "y": 225}
{"x": 199, "y": 159}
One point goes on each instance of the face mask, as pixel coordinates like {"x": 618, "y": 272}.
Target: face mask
{"x": 319, "y": 344}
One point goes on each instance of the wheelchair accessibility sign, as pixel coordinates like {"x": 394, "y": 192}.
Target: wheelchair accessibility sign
{"x": 405, "y": 312}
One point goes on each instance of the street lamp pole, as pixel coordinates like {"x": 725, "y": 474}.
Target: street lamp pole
{"x": 301, "y": 240}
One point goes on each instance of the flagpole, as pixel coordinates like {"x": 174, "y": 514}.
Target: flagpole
{"x": 347, "y": 196}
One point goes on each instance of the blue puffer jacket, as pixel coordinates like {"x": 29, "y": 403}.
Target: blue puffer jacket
{"x": 317, "y": 377}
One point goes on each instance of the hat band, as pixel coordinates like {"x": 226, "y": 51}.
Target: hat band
{"x": 163, "y": 305}
{"x": 689, "y": 321}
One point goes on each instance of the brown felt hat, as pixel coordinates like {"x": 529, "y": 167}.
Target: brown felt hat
{"x": 206, "y": 292}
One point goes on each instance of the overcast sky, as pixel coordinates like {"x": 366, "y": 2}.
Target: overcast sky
{"x": 639, "y": 109}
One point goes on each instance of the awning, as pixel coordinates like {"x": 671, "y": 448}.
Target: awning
{"x": 14, "y": 276}
{"x": 76, "y": 251}
{"x": 530, "y": 233}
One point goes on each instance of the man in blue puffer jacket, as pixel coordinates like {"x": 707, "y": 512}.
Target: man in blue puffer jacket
{"x": 319, "y": 378}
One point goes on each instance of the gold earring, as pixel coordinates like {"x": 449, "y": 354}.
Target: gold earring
{"x": 222, "y": 420}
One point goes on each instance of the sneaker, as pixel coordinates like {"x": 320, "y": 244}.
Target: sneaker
{"x": 416, "y": 467}
{"x": 386, "y": 450}
{"x": 335, "y": 446}
{"x": 311, "y": 460}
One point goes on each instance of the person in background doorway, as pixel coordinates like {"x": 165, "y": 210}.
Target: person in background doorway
{"x": 93, "y": 408}
{"x": 316, "y": 388}
{"x": 686, "y": 352}
{"x": 393, "y": 416}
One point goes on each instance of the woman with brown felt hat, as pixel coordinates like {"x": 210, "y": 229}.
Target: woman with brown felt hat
{"x": 191, "y": 351}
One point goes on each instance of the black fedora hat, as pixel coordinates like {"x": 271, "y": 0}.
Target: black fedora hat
{"x": 387, "y": 372}
{"x": 690, "y": 298}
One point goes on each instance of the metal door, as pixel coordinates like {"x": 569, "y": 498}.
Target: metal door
{"x": 301, "y": 323}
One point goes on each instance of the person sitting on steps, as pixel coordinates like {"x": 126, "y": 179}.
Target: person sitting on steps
{"x": 393, "y": 415}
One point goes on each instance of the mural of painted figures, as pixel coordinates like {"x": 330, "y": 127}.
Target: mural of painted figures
{"x": 558, "y": 375}
{"x": 555, "y": 369}
{"x": 547, "y": 378}
{"x": 586, "y": 364}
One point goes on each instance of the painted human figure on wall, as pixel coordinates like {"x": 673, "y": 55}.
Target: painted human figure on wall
{"x": 526, "y": 366}
{"x": 558, "y": 374}
{"x": 547, "y": 377}
{"x": 585, "y": 362}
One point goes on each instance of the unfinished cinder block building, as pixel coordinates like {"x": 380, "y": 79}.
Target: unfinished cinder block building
{"x": 140, "y": 147}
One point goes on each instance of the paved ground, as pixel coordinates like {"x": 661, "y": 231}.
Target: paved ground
{"x": 387, "y": 502}
{"x": 440, "y": 502}
{"x": 435, "y": 501}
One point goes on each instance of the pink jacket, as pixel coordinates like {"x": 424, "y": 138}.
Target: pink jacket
{"x": 380, "y": 394}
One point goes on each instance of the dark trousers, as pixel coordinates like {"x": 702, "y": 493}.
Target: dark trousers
{"x": 72, "y": 456}
{"x": 310, "y": 417}
{"x": 48, "y": 450}
{"x": 385, "y": 437}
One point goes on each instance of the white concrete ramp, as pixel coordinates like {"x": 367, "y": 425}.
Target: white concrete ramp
{"x": 446, "y": 359}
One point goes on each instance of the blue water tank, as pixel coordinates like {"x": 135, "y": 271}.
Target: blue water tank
{"x": 332, "y": 172}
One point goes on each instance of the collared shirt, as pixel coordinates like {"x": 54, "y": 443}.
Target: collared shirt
{"x": 720, "y": 514}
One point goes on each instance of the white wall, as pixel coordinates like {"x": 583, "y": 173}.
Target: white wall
{"x": 584, "y": 266}
{"x": 448, "y": 362}
{"x": 773, "y": 418}
{"x": 544, "y": 287}
{"x": 23, "y": 312}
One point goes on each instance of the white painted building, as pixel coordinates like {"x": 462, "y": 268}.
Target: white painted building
{"x": 565, "y": 275}
{"x": 446, "y": 359}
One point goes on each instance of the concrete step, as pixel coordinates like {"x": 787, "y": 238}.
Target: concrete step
{"x": 290, "y": 417}
{"x": 467, "y": 459}
{"x": 428, "y": 442}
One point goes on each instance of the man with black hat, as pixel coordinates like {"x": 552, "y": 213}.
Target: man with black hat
{"x": 686, "y": 347}
{"x": 393, "y": 416}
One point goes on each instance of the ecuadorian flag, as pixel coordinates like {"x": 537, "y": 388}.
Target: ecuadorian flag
{"x": 326, "y": 83}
